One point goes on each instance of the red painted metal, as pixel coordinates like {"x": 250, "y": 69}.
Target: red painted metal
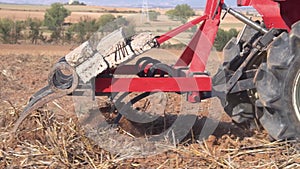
{"x": 174, "y": 84}
{"x": 289, "y": 10}
{"x": 243, "y": 2}
{"x": 194, "y": 57}
{"x": 270, "y": 12}
{"x": 204, "y": 46}
{"x": 197, "y": 52}
{"x": 180, "y": 29}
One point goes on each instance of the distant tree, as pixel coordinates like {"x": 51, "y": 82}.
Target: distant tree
{"x": 84, "y": 28}
{"x": 54, "y": 19}
{"x": 153, "y": 15}
{"x": 130, "y": 30}
{"x": 105, "y": 19}
{"x": 181, "y": 12}
{"x": 171, "y": 14}
{"x": 223, "y": 37}
{"x": 35, "y": 29}
{"x": 17, "y": 31}
{"x": 5, "y": 29}
{"x": 69, "y": 34}
{"x": 11, "y": 30}
{"x": 129, "y": 27}
{"x": 77, "y": 3}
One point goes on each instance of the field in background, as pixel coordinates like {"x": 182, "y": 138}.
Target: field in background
{"x": 162, "y": 25}
{"x": 22, "y": 12}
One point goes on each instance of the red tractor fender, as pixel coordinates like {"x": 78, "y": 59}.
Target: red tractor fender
{"x": 280, "y": 14}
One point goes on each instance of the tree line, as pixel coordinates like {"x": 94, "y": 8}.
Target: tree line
{"x": 53, "y": 28}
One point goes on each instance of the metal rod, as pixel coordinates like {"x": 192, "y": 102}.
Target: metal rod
{"x": 180, "y": 29}
{"x": 238, "y": 39}
{"x": 245, "y": 20}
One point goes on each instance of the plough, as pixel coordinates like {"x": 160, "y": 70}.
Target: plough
{"x": 259, "y": 80}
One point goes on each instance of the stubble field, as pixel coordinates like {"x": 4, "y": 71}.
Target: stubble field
{"x": 53, "y": 138}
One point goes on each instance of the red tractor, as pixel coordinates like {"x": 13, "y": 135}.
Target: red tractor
{"x": 259, "y": 80}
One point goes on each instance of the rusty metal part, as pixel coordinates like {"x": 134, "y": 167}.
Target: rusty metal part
{"x": 62, "y": 80}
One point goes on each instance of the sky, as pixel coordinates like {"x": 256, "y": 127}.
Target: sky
{"x": 125, "y": 3}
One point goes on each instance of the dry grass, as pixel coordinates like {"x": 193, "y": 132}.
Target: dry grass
{"x": 52, "y": 141}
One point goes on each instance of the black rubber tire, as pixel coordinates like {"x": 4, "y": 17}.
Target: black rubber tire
{"x": 278, "y": 87}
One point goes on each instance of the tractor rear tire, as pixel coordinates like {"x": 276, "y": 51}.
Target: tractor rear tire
{"x": 278, "y": 87}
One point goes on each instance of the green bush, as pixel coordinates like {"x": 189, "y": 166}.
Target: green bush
{"x": 153, "y": 15}
{"x": 83, "y": 29}
{"x": 223, "y": 37}
{"x": 54, "y": 19}
{"x": 10, "y": 30}
{"x": 86, "y": 27}
{"x": 129, "y": 27}
{"x": 105, "y": 19}
{"x": 5, "y": 29}
{"x": 181, "y": 12}
{"x": 35, "y": 29}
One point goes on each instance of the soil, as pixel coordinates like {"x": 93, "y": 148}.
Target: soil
{"x": 53, "y": 136}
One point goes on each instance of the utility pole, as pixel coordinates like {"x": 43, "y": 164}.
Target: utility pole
{"x": 145, "y": 11}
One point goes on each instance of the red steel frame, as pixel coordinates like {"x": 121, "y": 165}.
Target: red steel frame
{"x": 196, "y": 54}
{"x": 194, "y": 58}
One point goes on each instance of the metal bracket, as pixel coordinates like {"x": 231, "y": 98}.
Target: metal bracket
{"x": 239, "y": 72}
{"x": 243, "y": 85}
